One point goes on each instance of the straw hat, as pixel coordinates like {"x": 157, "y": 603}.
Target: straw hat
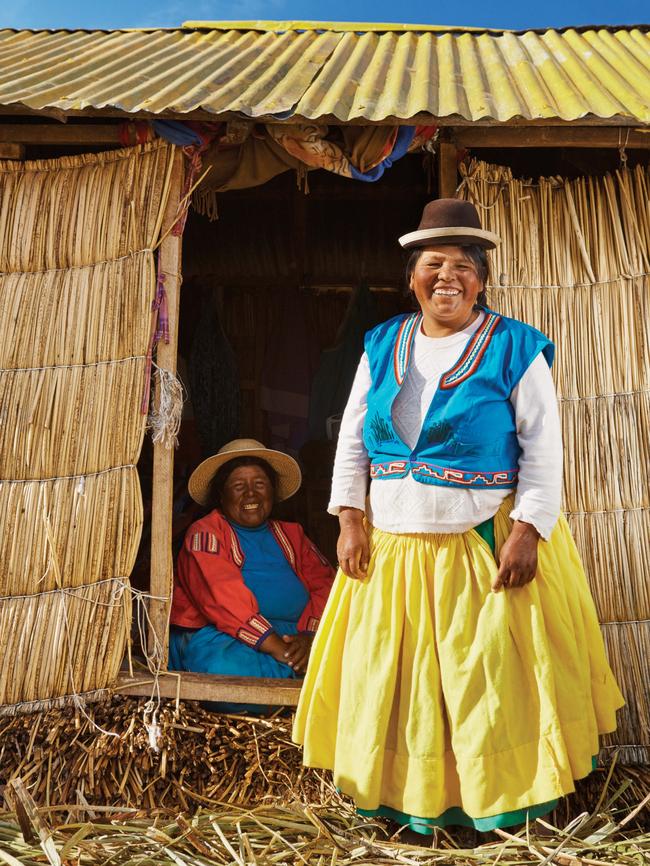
{"x": 450, "y": 221}
{"x": 289, "y": 476}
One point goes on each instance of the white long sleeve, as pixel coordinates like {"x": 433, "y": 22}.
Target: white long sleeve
{"x": 351, "y": 463}
{"x": 406, "y": 505}
{"x": 539, "y": 489}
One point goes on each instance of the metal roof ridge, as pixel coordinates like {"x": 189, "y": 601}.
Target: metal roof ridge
{"x": 279, "y": 26}
{"x": 330, "y": 26}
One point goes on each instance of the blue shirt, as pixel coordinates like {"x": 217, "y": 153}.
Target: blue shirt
{"x": 280, "y": 593}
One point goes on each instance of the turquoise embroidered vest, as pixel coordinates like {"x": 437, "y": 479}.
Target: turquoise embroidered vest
{"x": 468, "y": 437}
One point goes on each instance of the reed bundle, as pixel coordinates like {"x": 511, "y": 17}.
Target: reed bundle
{"x": 624, "y": 536}
{"x": 588, "y": 322}
{"x": 65, "y": 321}
{"x": 81, "y": 210}
{"x": 77, "y": 279}
{"x": 627, "y": 645}
{"x": 89, "y": 525}
{"x": 575, "y": 262}
{"x": 71, "y": 420}
{"x": 563, "y": 233}
{"x": 204, "y": 758}
{"x": 79, "y": 651}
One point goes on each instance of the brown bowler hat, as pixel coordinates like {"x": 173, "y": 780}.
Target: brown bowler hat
{"x": 450, "y": 221}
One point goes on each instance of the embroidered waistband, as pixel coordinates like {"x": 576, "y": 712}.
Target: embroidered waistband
{"x": 433, "y": 473}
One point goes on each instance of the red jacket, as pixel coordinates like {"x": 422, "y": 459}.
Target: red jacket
{"x": 209, "y": 587}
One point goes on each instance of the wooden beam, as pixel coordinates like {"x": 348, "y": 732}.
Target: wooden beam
{"x": 206, "y": 687}
{"x": 11, "y": 150}
{"x": 19, "y": 110}
{"x": 462, "y": 133}
{"x": 162, "y": 565}
{"x": 549, "y": 137}
{"x": 447, "y": 169}
{"x": 58, "y": 134}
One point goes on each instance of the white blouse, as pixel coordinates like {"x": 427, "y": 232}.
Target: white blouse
{"x": 405, "y": 505}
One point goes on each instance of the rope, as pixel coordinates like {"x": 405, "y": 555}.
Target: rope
{"x": 494, "y": 286}
{"x": 72, "y": 366}
{"x": 611, "y": 510}
{"x": 29, "y": 707}
{"x": 87, "y": 267}
{"x": 604, "y": 396}
{"x": 81, "y": 477}
{"x": 626, "y": 622}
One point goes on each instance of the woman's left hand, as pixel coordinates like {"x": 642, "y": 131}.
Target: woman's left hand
{"x": 518, "y": 557}
{"x": 298, "y": 648}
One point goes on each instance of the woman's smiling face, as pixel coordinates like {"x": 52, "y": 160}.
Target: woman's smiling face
{"x": 247, "y": 496}
{"x": 446, "y": 285}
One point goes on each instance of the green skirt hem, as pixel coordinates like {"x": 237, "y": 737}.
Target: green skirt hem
{"x": 456, "y": 817}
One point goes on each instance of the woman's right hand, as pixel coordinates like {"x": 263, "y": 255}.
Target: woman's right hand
{"x": 352, "y": 548}
{"x": 274, "y": 646}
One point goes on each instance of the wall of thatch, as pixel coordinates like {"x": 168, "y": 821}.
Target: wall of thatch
{"x": 77, "y": 278}
{"x": 575, "y": 262}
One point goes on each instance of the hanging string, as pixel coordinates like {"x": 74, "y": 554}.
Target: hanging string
{"x": 621, "y": 147}
{"x": 165, "y": 419}
{"x": 159, "y": 331}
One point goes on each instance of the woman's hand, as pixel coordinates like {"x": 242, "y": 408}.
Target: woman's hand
{"x": 290, "y": 649}
{"x": 296, "y": 650}
{"x": 274, "y": 646}
{"x": 352, "y": 548}
{"x": 518, "y": 557}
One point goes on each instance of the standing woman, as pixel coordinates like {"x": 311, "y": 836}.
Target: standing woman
{"x": 459, "y": 675}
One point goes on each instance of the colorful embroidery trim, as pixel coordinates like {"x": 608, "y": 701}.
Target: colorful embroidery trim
{"x": 396, "y": 468}
{"x": 246, "y": 637}
{"x": 404, "y": 345}
{"x": 255, "y": 630}
{"x": 284, "y": 542}
{"x": 503, "y": 478}
{"x": 471, "y": 357}
{"x": 205, "y": 542}
{"x": 445, "y": 474}
{"x": 312, "y": 623}
{"x": 235, "y": 549}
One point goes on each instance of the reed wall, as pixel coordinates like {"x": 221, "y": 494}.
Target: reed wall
{"x": 575, "y": 263}
{"x": 77, "y": 280}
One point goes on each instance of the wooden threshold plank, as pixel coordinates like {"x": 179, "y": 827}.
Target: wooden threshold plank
{"x": 207, "y": 687}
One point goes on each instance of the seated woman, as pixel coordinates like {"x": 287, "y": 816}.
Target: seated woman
{"x": 249, "y": 591}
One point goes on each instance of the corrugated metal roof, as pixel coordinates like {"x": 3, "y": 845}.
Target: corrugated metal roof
{"x": 285, "y": 71}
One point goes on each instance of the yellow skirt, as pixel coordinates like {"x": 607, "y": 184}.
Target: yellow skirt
{"x": 427, "y": 691}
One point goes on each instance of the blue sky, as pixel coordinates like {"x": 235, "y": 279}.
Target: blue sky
{"x": 513, "y": 14}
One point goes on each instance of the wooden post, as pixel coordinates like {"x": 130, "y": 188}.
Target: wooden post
{"x": 447, "y": 170}
{"x": 163, "y": 458}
